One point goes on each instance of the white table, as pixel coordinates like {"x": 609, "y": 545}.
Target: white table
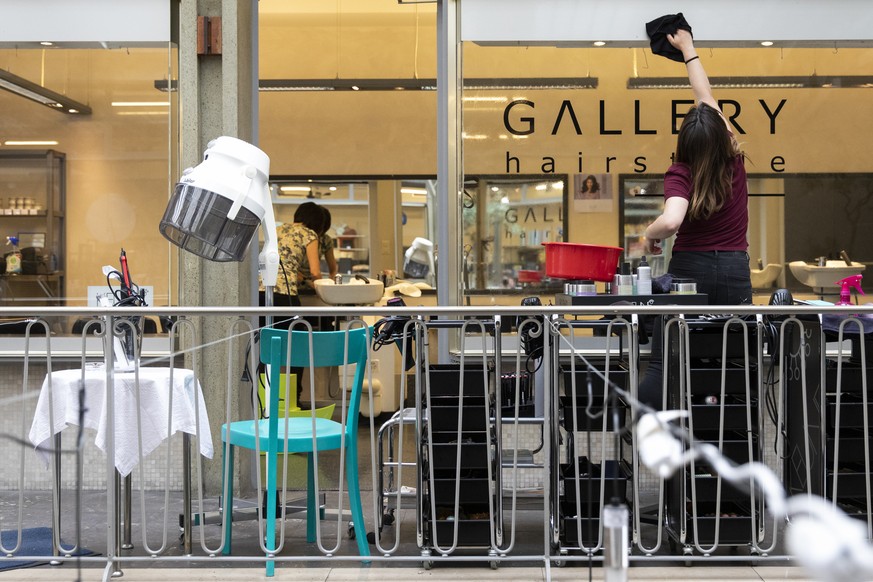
{"x": 154, "y": 387}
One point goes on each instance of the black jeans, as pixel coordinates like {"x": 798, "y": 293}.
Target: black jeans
{"x": 724, "y": 277}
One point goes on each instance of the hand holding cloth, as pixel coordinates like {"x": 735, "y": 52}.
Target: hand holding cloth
{"x": 659, "y": 28}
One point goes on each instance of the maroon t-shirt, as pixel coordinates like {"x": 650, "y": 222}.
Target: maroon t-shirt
{"x": 726, "y": 229}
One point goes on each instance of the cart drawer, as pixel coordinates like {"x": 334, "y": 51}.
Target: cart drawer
{"x": 581, "y": 419}
{"x": 851, "y": 379}
{"x": 472, "y": 491}
{"x": 445, "y": 418}
{"x": 590, "y": 529}
{"x": 613, "y": 480}
{"x": 706, "y": 417}
{"x": 471, "y": 532}
{"x": 851, "y": 410}
{"x": 705, "y": 381}
{"x": 618, "y": 373}
{"x": 734, "y": 526}
{"x": 445, "y": 379}
{"x": 473, "y": 455}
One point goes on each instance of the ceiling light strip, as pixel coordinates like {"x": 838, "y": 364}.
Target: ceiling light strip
{"x": 482, "y": 84}
{"x": 770, "y": 82}
{"x": 29, "y": 90}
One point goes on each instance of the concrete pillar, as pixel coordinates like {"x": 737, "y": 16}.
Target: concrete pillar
{"x": 216, "y": 98}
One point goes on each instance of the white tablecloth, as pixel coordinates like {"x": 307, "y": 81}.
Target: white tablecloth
{"x": 154, "y": 385}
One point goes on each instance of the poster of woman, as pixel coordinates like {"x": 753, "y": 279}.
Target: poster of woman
{"x": 592, "y": 193}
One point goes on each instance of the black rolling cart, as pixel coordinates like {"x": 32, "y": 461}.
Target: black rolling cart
{"x": 829, "y": 410}
{"x": 585, "y": 477}
{"x": 460, "y": 505}
{"x": 714, "y": 374}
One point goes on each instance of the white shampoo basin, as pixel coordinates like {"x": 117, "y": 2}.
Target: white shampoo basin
{"x": 824, "y": 277}
{"x": 355, "y": 292}
{"x": 766, "y": 278}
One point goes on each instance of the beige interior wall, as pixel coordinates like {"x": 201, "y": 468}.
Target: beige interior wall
{"x": 394, "y": 132}
{"x": 117, "y": 164}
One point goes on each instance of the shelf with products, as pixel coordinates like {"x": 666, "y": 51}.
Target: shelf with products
{"x": 32, "y": 205}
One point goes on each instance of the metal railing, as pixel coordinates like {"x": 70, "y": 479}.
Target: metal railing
{"x": 490, "y": 444}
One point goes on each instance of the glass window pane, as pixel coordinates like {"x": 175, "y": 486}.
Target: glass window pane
{"x": 98, "y": 180}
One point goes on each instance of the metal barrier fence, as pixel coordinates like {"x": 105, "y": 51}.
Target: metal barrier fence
{"x": 513, "y": 431}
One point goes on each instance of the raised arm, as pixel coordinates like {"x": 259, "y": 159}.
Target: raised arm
{"x": 696, "y": 74}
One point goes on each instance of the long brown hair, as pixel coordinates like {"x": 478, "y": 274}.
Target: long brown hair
{"x": 709, "y": 149}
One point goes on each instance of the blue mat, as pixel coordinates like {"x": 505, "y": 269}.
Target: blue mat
{"x": 35, "y": 541}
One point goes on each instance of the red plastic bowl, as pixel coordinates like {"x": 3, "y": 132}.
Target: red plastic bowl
{"x": 580, "y": 261}
{"x": 529, "y": 276}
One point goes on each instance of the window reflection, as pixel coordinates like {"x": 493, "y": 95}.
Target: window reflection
{"x": 505, "y": 225}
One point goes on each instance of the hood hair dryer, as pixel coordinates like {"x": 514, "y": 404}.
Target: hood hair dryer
{"x": 217, "y": 206}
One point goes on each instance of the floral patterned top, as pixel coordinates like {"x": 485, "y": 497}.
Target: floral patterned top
{"x": 325, "y": 244}
{"x": 293, "y": 239}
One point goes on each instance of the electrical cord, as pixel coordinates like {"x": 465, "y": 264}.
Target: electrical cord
{"x": 124, "y": 296}
{"x": 247, "y": 374}
{"x": 388, "y": 330}
{"x": 771, "y": 384}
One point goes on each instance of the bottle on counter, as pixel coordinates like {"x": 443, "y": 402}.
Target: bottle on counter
{"x": 644, "y": 278}
{"x": 625, "y": 280}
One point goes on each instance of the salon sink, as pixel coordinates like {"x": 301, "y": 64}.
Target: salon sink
{"x": 826, "y": 276}
{"x": 766, "y": 278}
{"x": 356, "y": 292}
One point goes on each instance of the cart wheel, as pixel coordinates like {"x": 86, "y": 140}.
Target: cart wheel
{"x": 351, "y": 531}
{"x": 494, "y": 564}
{"x": 388, "y": 518}
{"x": 688, "y": 551}
{"x": 559, "y": 563}
{"x": 371, "y": 538}
{"x": 427, "y": 564}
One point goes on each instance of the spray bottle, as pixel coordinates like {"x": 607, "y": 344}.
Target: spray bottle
{"x": 846, "y": 286}
{"x": 13, "y": 261}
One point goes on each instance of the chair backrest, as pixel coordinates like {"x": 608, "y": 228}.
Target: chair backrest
{"x": 328, "y": 349}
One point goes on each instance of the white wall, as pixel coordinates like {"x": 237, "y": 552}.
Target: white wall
{"x": 735, "y": 23}
{"x": 111, "y": 22}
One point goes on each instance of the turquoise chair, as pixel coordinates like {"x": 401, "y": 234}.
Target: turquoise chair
{"x": 329, "y": 349}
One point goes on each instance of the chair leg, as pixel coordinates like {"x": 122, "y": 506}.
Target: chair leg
{"x": 228, "y": 498}
{"x": 270, "y": 542}
{"x": 311, "y": 500}
{"x": 355, "y": 502}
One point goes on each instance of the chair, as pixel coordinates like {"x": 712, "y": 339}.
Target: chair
{"x": 329, "y": 349}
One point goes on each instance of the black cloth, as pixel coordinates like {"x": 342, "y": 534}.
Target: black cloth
{"x": 662, "y": 284}
{"x": 659, "y": 28}
{"x": 831, "y": 322}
